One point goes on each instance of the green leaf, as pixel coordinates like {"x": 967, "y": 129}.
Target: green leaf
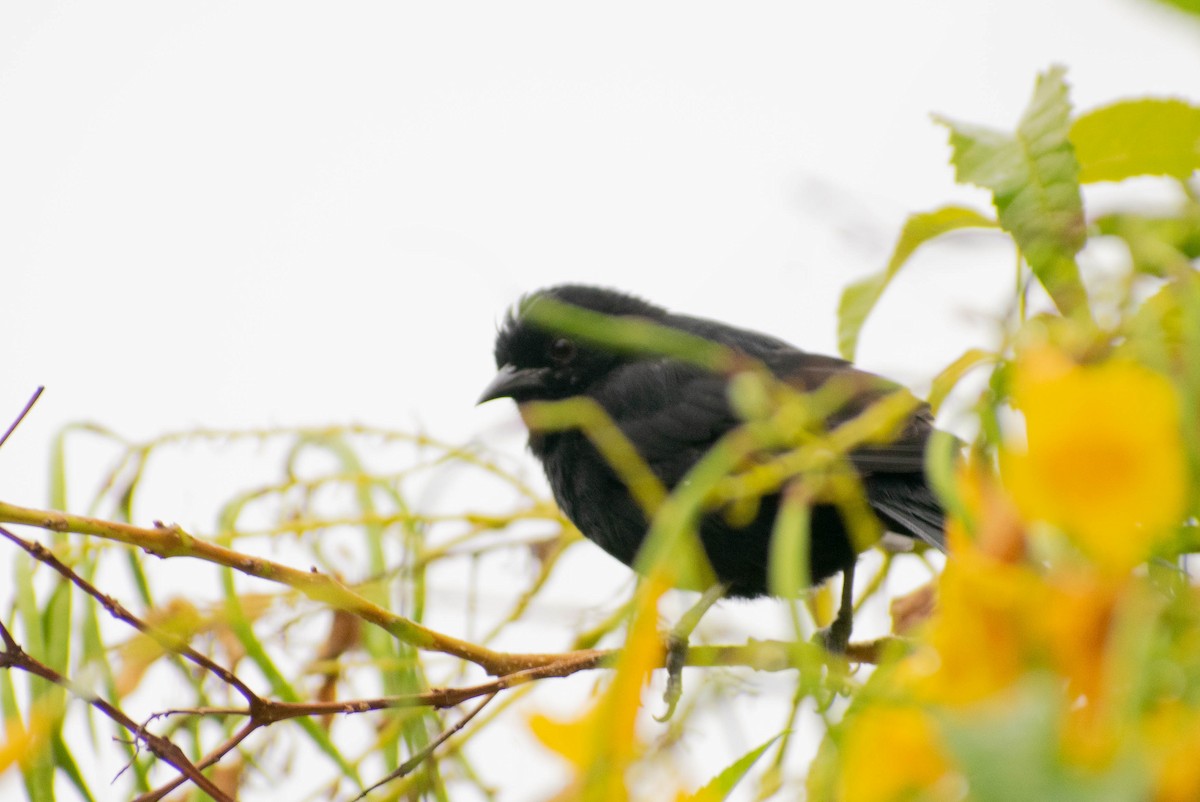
{"x": 240, "y": 625}
{"x": 788, "y": 571}
{"x": 1159, "y": 246}
{"x": 943, "y": 456}
{"x": 722, "y": 785}
{"x": 626, "y": 334}
{"x": 1010, "y": 751}
{"x": 1189, "y": 6}
{"x": 860, "y": 298}
{"x": 1138, "y": 137}
{"x": 1034, "y": 180}
{"x": 65, "y": 762}
{"x": 945, "y": 382}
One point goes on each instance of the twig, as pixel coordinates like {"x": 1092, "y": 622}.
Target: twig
{"x": 407, "y": 766}
{"x": 172, "y": 644}
{"x": 168, "y": 541}
{"x": 28, "y": 406}
{"x": 271, "y": 712}
{"x": 510, "y": 670}
{"x": 210, "y": 759}
{"x": 14, "y": 656}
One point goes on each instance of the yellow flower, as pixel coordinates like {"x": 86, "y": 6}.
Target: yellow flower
{"x": 979, "y": 639}
{"x": 977, "y": 643}
{"x": 22, "y": 743}
{"x": 1173, "y": 740}
{"x": 893, "y": 753}
{"x": 1104, "y": 460}
{"x": 998, "y": 616}
{"x": 601, "y": 743}
{"x": 1074, "y": 625}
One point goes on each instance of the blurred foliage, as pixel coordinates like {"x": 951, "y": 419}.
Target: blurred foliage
{"x": 1062, "y": 660}
{"x": 331, "y": 510}
{"x": 1059, "y": 661}
{"x": 1190, "y": 6}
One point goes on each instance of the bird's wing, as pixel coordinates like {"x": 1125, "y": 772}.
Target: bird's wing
{"x": 893, "y": 472}
{"x": 675, "y": 412}
{"x": 908, "y": 507}
{"x": 672, "y": 413}
{"x": 905, "y": 453}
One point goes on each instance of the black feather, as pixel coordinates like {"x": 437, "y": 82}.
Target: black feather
{"x": 674, "y": 412}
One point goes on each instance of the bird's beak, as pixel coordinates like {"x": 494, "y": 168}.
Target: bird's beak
{"x": 518, "y": 384}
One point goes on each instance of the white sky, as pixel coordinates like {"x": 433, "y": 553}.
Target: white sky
{"x": 240, "y": 214}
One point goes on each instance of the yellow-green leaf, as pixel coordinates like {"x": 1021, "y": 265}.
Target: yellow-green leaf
{"x": 722, "y": 785}
{"x": 1034, "y": 180}
{"x": 601, "y": 742}
{"x": 860, "y": 298}
{"x": 1189, "y": 6}
{"x": 945, "y": 382}
{"x": 1138, "y": 137}
{"x": 1159, "y": 246}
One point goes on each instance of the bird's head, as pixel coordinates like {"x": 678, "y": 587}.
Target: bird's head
{"x": 535, "y": 363}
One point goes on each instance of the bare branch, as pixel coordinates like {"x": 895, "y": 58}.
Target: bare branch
{"x": 14, "y": 656}
{"x": 169, "y": 642}
{"x": 21, "y": 416}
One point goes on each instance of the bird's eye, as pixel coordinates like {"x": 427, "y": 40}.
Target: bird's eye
{"x": 561, "y": 351}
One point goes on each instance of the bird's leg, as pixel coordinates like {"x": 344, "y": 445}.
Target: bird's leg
{"x": 836, "y": 636}
{"x": 677, "y": 646}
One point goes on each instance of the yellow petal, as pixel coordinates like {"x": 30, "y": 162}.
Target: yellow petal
{"x": 22, "y": 743}
{"x": 602, "y": 742}
{"x": 891, "y": 753}
{"x": 1104, "y": 460}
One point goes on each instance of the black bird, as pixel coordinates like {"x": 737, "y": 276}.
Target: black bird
{"x": 673, "y": 412}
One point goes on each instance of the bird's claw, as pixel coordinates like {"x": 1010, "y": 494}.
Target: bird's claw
{"x": 835, "y": 637}
{"x": 677, "y": 648}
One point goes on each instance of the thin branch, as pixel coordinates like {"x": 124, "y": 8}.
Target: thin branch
{"x": 168, "y": 541}
{"x": 171, "y": 541}
{"x": 766, "y": 655}
{"x": 420, "y": 757}
{"x": 20, "y": 417}
{"x": 210, "y": 759}
{"x": 172, "y": 644}
{"x": 510, "y": 670}
{"x": 14, "y": 656}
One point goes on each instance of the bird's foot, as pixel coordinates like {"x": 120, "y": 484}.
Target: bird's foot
{"x": 677, "y": 647}
{"x": 835, "y": 637}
